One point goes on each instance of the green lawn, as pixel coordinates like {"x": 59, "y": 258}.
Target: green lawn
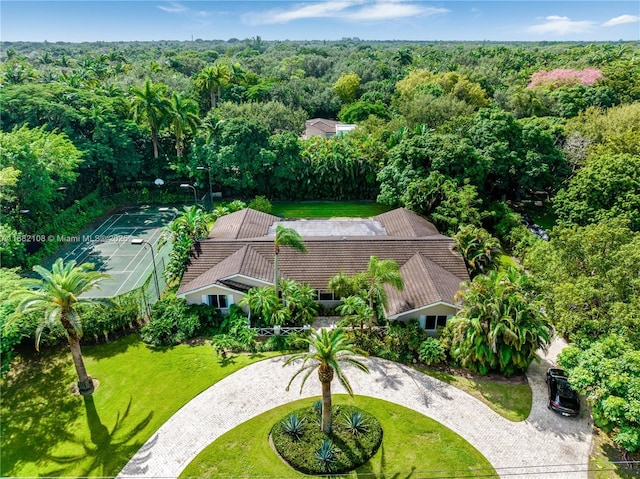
{"x": 511, "y": 401}
{"x": 413, "y": 445}
{"x": 327, "y": 209}
{"x": 46, "y": 431}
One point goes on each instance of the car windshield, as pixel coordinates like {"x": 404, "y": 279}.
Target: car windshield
{"x": 565, "y": 391}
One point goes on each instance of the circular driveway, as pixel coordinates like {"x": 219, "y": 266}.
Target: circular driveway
{"x": 545, "y": 445}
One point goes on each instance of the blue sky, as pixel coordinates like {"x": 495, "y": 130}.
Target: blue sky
{"x": 110, "y": 20}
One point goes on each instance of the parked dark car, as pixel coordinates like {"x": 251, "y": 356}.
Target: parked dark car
{"x": 562, "y": 398}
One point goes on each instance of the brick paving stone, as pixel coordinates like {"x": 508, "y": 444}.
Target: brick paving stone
{"x": 545, "y": 445}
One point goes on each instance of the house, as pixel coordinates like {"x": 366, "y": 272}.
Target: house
{"x": 238, "y": 255}
{"x": 325, "y": 128}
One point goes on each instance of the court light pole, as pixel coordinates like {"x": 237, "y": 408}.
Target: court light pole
{"x": 202, "y": 168}
{"x": 140, "y": 241}
{"x": 195, "y": 193}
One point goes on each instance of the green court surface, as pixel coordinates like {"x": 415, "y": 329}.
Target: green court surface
{"x": 109, "y": 248}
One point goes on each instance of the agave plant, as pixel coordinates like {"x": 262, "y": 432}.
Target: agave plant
{"x": 294, "y": 426}
{"x": 326, "y": 454}
{"x": 355, "y": 423}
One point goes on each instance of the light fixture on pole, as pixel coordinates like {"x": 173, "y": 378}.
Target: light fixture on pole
{"x": 195, "y": 193}
{"x": 140, "y": 241}
{"x": 202, "y": 168}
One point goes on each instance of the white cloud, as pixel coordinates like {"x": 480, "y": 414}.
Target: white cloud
{"x": 173, "y": 7}
{"x": 621, "y": 20}
{"x": 353, "y": 10}
{"x": 389, "y": 10}
{"x": 178, "y": 8}
{"x": 556, "y": 25}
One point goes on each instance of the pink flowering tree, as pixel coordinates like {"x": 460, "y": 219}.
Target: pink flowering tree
{"x": 561, "y": 77}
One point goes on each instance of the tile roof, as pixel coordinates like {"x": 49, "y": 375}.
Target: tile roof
{"x": 404, "y": 223}
{"x": 246, "y": 223}
{"x": 431, "y": 270}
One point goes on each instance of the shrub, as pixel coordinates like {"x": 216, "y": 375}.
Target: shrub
{"x": 261, "y": 203}
{"x": 403, "y": 340}
{"x": 431, "y": 351}
{"x": 172, "y": 322}
{"x": 314, "y": 452}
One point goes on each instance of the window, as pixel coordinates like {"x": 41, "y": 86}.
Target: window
{"x": 434, "y": 322}
{"x": 325, "y": 295}
{"x": 218, "y": 301}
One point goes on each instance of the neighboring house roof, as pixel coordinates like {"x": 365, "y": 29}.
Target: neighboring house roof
{"x": 238, "y": 247}
{"x": 324, "y": 127}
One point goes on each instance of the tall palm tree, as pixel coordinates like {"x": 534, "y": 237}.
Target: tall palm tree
{"x": 327, "y": 350}
{"x": 149, "y": 105}
{"x": 212, "y": 79}
{"x": 285, "y": 237}
{"x": 58, "y": 294}
{"x": 183, "y": 118}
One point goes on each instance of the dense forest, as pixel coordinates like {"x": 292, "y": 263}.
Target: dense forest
{"x": 477, "y": 134}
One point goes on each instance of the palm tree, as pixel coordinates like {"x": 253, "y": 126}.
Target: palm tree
{"x": 265, "y": 303}
{"x": 285, "y": 237}
{"x": 327, "y": 350}
{"x": 183, "y": 118}
{"x": 149, "y": 105}
{"x": 299, "y": 299}
{"x": 480, "y": 250}
{"x": 500, "y": 326}
{"x": 380, "y": 273}
{"x": 212, "y": 79}
{"x": 355, "y": 310}
{"x": 58, "y": 293}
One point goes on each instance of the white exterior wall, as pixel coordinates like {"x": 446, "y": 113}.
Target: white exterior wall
{"x": 435, "y": 310}
{"x": 200, "y": 296}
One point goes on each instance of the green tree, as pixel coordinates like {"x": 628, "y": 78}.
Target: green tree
{"x": 608, "y": 374}
{"x": 182, "y": 118}
{"x": 608, "y": 186}
{"x": 191, "y": 225}
{"x": 14, "y": 327}
{"x": 379, "y": 274}
{"x": 355, "y": 310}
{"x": 150, "y": 106}
{"x": 327, "y": 350}
{"x": 500, "y": 326}
{"x": 261, "y": 301}
{"x": 285, "y": 237}
{"x": 588, "y": 280}
{"x": 212, "y": 80}
{"x": 58, "y": 293}
{"x": 300, "y": 300}
{"x": 346, "y": 87}
{"x": 480, "y": 250}
{"x": 35, "y": 163}
{"x": 370, "y": 285}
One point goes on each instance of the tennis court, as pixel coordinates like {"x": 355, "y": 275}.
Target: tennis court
{"x": 109, "y": 247}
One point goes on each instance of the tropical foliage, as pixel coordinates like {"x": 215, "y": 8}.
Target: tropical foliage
{"x": 370, "y": 286}
{"x": 500, "y": 326}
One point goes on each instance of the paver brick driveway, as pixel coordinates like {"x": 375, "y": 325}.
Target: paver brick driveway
{"x": 544, "y": 446}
